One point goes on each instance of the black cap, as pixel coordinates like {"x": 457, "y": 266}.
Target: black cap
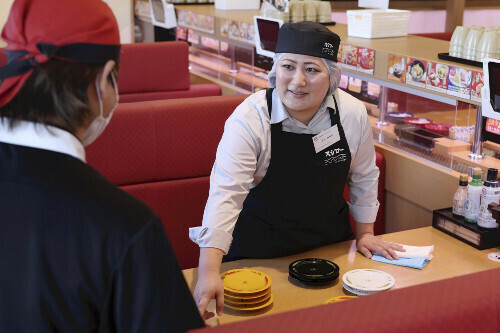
{"x": 308, "y": 38}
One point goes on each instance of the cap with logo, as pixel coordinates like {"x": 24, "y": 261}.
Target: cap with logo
{"x": 308, "y": 38}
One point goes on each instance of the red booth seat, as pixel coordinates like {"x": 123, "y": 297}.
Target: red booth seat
{"x": 3, "y": 57}
{"x": 469, "y": 303}
{"x": 162, "y": 153}
{"x": 155, "y": 71}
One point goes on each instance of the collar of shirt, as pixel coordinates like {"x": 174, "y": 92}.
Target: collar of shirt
{"x": 34, "y": 135}
{"x": 280, "y": 114}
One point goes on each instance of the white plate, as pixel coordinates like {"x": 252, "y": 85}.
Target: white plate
{"x": 357, "y": 292}
{"x": 368, "y": 280}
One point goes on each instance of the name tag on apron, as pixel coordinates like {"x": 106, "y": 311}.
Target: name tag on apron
{"x": 326, "y": 138}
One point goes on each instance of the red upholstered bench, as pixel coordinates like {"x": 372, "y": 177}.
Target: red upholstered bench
{"x": 162, "y": 153}
{"x": 469, "y": 303}
{"x": 3, "y": 57}
{"x": 158, "y": 71}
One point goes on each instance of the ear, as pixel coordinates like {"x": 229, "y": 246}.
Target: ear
{"x": 103, "y": 77}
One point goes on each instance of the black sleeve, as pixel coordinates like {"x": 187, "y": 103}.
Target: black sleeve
{"x": 147, "y": 291}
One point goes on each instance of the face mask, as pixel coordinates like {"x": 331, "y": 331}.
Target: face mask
{"x": 99, "y": 124}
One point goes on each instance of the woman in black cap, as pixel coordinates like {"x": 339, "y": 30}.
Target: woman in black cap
{"x": 78, "y": 253}
{"x": 286, "y": 154}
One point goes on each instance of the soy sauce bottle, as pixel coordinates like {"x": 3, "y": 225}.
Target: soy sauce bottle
{"x": 460, "y": 196}
{"x": 472, "y": 202}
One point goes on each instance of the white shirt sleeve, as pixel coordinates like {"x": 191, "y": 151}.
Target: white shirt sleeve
{"x": 238, "y": 162}
{"x": 363, "y": 174}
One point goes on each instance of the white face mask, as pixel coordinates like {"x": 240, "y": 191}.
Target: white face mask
{"x": 99, "y": 123}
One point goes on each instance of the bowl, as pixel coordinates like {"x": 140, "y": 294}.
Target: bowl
{"x": 420, "y": 122}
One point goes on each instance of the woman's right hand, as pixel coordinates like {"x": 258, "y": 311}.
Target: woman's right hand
{"x": 209, "y": 285}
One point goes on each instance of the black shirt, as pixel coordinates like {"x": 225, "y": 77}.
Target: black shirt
{"x": 77, "y": 254}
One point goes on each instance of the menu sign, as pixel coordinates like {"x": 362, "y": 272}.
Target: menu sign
{"x": 350, "y": 56}
{"x": 193, "y": 37}
{"x": 196, "y": 21}
{"x": 242, "y": 31}
{"x": 437, "y": 77}
{"x": 416, "y": 72}
{"x": 459, "y": 82}
{"x": 343, "y": 81}
{"x": 224, "y": 28}
{"x": 493, "y": 126}
{"x": 477, "y": 84}
{"x": 366, "y": 60}
{"x": 396, "y": 69}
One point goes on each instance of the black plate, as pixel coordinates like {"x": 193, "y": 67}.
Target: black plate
{"x": 313, "y": 269}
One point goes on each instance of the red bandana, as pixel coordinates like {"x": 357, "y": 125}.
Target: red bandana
{"x": 38, "y": 30}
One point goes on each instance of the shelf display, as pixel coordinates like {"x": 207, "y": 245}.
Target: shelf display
{"x": 441, "y": 96}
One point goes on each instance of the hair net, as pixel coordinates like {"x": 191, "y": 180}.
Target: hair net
{"x": 333, "y": 69}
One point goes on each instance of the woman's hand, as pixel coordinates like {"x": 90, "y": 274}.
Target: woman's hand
{"x": 209, "y": 285}
{"x": 367, "y": 243}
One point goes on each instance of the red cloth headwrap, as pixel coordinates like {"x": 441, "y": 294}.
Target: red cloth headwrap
{"x": 38, "y": 30}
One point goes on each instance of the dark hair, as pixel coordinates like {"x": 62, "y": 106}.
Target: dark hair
{"x": 54, "y": 94}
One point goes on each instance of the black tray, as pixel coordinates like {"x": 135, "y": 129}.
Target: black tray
{"x": 488, "y": 238}
{"x": 447, "y": 56}
{"x": 417, "y": 135}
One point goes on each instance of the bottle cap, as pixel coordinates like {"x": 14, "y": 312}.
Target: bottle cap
{"x": 476, "y": 172}
{"x": 492, "y": 175}
{"x": 464, "y": 177}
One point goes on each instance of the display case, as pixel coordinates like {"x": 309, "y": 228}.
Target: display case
{"x": 423, "y": 109}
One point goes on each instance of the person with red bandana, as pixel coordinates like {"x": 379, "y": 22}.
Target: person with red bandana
{"x": 77, "y": 253}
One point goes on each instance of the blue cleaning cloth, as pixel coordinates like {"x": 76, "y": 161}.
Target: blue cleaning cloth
{"x": 415, "y": 262}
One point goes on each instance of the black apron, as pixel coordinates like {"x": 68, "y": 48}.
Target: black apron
{"x": 299, "y": 204}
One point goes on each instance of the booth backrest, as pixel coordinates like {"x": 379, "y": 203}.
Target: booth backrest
{"x": 162, "y": 152}
{"x": 160, "y": 70}
{"x": 3, "y": 57}
{"x": 469, "y": 303}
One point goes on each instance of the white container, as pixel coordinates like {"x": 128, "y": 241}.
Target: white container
{"x": 377, "y": 23}
{"x": 485, "y": 218}
{"x": 237, "y": 4}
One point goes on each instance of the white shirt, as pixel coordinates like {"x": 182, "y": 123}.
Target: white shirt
{"x": 244, "y": 153}
{"x": 35, "y": 135}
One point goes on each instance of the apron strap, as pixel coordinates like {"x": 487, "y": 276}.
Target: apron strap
{"x": 269, "y": 98}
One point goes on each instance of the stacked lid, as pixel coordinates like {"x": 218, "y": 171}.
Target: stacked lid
{"x": 364, "y": 282}
{"x": 246, "y": 289}
{"x": 314, "y": 271}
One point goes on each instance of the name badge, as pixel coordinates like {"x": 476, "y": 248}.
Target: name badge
{"x": 326, "y": 138}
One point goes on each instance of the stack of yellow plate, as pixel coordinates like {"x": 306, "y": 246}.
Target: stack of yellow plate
{"x": 246, "y": 289}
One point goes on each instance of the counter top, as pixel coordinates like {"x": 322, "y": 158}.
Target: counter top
{"x": 451, "y": 258}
